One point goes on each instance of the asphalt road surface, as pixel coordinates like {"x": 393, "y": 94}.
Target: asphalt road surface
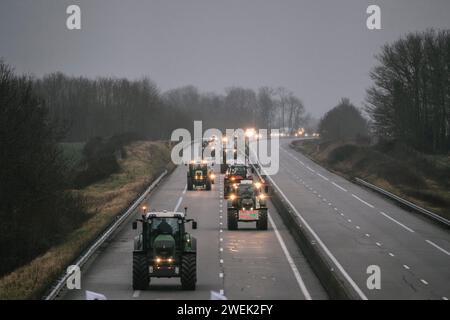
{"x": 361, "y": 228}
{"x": 242, "y": 264}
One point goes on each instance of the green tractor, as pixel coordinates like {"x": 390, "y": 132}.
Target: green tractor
{"x": 247, "y": 203}
{"x": 164, "y": 250}
{"x": 198, "y": 176}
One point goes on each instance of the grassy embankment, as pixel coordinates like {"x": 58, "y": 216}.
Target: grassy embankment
{"x": 105, "y": 200}
{"x": 419, "y": 178}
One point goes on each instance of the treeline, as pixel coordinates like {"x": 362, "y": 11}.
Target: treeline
{"x": 410, "y": 99}
{"x": 35, "y": 210}
{"x": 88, "y": 108}
{"x": 344, "y": 122}
{"x": 267, "y": 107}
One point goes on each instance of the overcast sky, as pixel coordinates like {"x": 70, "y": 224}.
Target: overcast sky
{"x": 321, "y": 50}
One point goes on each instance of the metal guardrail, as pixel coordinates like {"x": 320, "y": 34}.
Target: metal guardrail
{"x": 407, "y": 203}
{"x": 106, "y": 234}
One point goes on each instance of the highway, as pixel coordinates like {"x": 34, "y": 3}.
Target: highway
{"x": 355, "y": 227}
{"x": 361, "y": 228}
{"x": 242, "y": 264}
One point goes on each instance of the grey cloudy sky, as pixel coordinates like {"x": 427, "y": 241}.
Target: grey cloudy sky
{"x": 321, "y": 50}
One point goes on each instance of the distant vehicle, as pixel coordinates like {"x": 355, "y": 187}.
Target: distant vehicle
{"x": 198, "y": 176}
{"x": 234, "y": 175}
{"x": 247, "y": 203}
{"x": 163, "y": 250}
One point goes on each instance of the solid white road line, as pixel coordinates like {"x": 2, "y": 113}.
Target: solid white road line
{"x": 336, "y": 185}
{"x": 397, "y": 222}
{"x": 324, "y": 178}
{"x": 309, "y": 168}
{"x": 366, "y": 203}
{"x": 178, "y": 204}
{"x": 291, "y": 262}
{"x": 437, "y": 247}
{"x": 324, "y": 247}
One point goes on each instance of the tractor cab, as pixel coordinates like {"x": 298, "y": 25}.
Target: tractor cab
{"x": 164, "y": 249}
{"x": 247, "y": 203}
{"x": 233, "y": 176}
{"x": 199, "y": 176}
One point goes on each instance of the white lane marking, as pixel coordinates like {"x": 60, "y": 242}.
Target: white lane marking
{"x": 336, "y": 185}
{"x": 221, "y": 261}
{"x": 397, "y": 222}
{"x": 221, "y": 275}
{"x": 222, "y": 292}
{"x": 378, "y": 244}
{"x": 221, "y": 239}
{"x": 291, "y": 262}
{"x": 444, "y": 298}
{"x": 424, "y": 282}
{"x": 324, "y": 247}
{"x": 391, "y": 254}
{"x": 185, "y": 188}
{"x": 349, "y": 220}
{"x": 437, "y": 247}
{"x": 178, "y": 203}
{"x": 309, "y": 168}
{"x": 136, "y": 293}
{"x": 366, "y": 203}
{"x": 324, "y": 178}
{"x": 357, "y": 227}
{"x": 367, "y": 235}
{"x": 406, "y": 267}
{"x": 221, "y": 249}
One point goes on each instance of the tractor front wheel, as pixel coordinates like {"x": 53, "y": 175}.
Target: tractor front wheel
{"x": 188, "y": 271}
{"x": 261, "y": 223}
{"x": 141, "y": 278}
{"x": 232, "y": 220}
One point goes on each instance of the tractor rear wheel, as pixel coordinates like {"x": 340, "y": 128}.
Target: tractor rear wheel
{"x": 261, "y": 223}
{"x": 188, "y": 271}
{"x": 232, "y": 219}
{"x": 208, "y": 185}
{"x": 189, "y": 184}
{"x": 141, "y": 277}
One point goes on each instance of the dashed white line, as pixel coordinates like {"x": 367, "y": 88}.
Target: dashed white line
{"x": 391, "y": 254}
{"x": 423, "y": 281}
{"x": 378, "y": 244}
{"x": 437, "y": 247}
{"x": 291, "y": 262}
{"x": 310, "y": 169}
{"x": 336, "y": 185}
{"x": 397, "y": 222}
{"x": 358, "y": 227}
{"x": 367, "y": 235}
{"x": 323, "y": 177}
{"x": 366, "y": 203}
{"x": 221, "y": 275}
{"x": 406, "y": 267}
{"x": 136, "y": 293}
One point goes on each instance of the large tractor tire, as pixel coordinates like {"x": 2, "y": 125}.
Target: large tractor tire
{"x": 261, "y": 223}
{"x": 141, "y": 278}
{"x": 188, "y": 271}
{"x": 189, "y": 184}
{"x": 208, "y": 185}
{"x": 232, "y": 219}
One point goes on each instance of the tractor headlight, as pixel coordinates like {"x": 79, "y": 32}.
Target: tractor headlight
{"x": 170, "y": 260}
{"x": 262, "y": 196}
{"x": 232, "y": 196}
{"x": 213, "y": 175}
{"x": 257, "y": 185}
{"x": 158, "y": 260}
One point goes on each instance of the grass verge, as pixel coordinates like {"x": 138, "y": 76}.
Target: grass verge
{"x": 105, "y": 200}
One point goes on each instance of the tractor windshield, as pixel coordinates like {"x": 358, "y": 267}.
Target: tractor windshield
{"x": 165, "y": 225}
{"x": 245, "y": 190}
{"x": 239, "y": 171}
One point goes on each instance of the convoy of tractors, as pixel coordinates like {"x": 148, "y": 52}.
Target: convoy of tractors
{"x": 163, "y": 248}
